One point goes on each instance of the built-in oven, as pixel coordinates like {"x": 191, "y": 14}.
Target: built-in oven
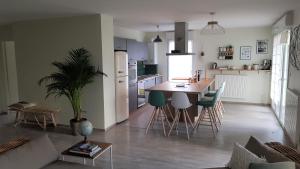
{"x": 132, "y": 71}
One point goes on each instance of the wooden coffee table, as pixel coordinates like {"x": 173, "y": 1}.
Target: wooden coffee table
{"x": 104, "y": 147}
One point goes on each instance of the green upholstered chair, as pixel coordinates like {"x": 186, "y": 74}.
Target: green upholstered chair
{"x": 157, "y": 99}
{"x": 209, "y": 109}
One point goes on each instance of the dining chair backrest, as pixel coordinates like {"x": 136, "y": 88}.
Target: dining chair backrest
{"x": 180, "y": 100}
{"x": 217, "y": 96}
{"x": 223, "y": 87}
{"x": 157, "y": 99}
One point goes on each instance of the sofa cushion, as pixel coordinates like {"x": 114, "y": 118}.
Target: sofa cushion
{"x": 278, "y": 165}
{"x": 66, "y": 165}
{"x": 262, "y": 150}
{"x": 33, "y": 155}
{"x": 241, "y": 158}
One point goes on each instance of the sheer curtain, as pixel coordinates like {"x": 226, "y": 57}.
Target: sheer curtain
{"x": 279, "y": 73}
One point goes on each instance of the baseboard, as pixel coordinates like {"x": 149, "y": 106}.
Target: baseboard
{"x": 248, "y": 103}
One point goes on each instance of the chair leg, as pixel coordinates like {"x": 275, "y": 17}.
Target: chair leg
{"x": 160, "y": 112}
{"x": 199, "y": 119}
{"x": 222, "y": 106}
{"x": 169, "y": 111}
{"x": 211, "y": 123}
{"x": 217, "y": 114}
{"x": 166, "y": 117}
{"x": 202, "y": 115}
{"x": 151, "y": 121}
{"x": 174, "y": 121}
{"x": 186, "y": 113}
{"x": 186, "y": 125}
{"x": 213, "y": 118}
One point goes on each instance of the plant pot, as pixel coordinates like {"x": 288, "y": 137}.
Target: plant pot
{"x": 74, "y": 124}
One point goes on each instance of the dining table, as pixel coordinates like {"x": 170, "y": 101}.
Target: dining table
{"x": 194, "y": 92}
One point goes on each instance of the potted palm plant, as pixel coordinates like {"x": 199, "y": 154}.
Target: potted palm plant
{"x": 72, "y": 76}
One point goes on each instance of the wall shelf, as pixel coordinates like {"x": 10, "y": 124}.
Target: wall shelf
{"x": 240, "y": 70}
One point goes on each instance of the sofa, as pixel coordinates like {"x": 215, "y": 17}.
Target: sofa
{"x": 38, "y": 153}
{"x": 262, "y": 150}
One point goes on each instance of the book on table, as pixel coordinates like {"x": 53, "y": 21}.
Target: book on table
{"x": 89, "y": 149}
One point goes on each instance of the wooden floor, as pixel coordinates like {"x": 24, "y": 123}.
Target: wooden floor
{"x": 133, "y": 149}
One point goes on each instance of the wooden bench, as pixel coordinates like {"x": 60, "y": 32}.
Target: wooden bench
{"x": 39, "y": 115}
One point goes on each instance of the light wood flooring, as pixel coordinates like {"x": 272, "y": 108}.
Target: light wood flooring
{"x": 133, "y": 149}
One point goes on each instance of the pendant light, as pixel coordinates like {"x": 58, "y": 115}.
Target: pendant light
{"x": 157, "y": 39}
{"x": 212, "y": 27}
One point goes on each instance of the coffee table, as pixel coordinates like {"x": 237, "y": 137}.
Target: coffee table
{"x": 104, "y": 147}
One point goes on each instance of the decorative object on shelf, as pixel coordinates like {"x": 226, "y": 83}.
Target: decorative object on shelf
{"x": 255, "y": 67}
{"x": 295, "y": 47}
{"x": 157, "y": 39}
{"x": 72, "y": 76}
{"x": 225, "y": 53}
{"x": 85, "y": 129}
{"x": 212, "y": 27}
{"x": 262, "y": 46}
{"x": 245, "y": 53}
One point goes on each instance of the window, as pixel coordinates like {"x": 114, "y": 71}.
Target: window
{"x": 180, "y": 65}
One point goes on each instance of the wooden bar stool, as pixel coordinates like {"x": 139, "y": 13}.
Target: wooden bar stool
{"x": 157, "y": 99}
{"x": 209, "y": 104}
{"x": 181, "y": 102}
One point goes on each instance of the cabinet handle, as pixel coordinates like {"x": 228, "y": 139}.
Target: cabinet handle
{"x": 120, "y": 71}
{"x": 120, "y": 81}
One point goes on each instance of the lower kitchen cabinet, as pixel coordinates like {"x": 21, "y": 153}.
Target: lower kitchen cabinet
{"x": 158, "y": 80}
{"x": 133, "y": 97}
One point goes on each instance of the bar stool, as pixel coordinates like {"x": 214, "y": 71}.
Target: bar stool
{"x": 219, "y": 105}
{"x": 157, "y": 99}
{"x": 181, "y": 102}
{"x": 208, "y": 104}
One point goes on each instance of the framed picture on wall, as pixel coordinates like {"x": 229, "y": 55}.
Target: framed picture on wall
{"x": 262, "y": 46}
{"x": 245, "y": 53}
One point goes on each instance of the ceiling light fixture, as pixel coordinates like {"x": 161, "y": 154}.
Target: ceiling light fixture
{"x": 212, "y": 27}
{"x": 157, "y": 39}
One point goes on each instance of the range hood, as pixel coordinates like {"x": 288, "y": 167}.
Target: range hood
{"x": 181, "y": 39}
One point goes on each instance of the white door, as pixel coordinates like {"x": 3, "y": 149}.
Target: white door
{"x": 121, "y": 61}
{"x": 122, "y": 99}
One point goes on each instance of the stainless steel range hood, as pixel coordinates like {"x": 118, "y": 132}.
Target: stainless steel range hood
{"x": 181, "y": 39}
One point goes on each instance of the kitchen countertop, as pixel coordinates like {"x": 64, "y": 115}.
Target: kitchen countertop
{"x": 198, "y": 87}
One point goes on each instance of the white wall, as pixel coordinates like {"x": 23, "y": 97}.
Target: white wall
{"x": 39, "y": 43}
{"x": 108, "y": 67}
{"x": 294, "y": 75}
{"x": 236, "y": 37}
{"x": 209, "y": 44}
{"x": 128, "y": 33}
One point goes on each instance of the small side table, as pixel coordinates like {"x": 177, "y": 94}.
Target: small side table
{"x": 104, "y": 147}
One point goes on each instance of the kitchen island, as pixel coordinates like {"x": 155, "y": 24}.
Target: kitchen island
{"x": 193, "y": 90}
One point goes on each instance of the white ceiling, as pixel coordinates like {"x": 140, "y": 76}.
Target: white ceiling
{"x": 144, "y": 15}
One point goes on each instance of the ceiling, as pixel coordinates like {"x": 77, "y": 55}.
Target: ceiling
{"x": 144, "y": 15}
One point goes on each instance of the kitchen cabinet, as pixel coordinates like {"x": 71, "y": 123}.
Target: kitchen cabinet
{"x": 148, "y": 83}
{"x": 158, "y": 80}
{"x": 137, "y": 50}
{"x": 120, "y": 43}
{"x": 133, "y": 97}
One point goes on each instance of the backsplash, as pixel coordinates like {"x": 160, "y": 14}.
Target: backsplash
{"x": 140, "y": 68}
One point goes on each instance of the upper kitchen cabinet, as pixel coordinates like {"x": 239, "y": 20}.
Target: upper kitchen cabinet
{"x": 120, "y": 43}
{"x": 137, "y": 50}
{"x": 132, "y": 49}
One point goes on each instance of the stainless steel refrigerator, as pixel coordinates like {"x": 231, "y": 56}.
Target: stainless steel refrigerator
{"x": 122, "y": 96}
